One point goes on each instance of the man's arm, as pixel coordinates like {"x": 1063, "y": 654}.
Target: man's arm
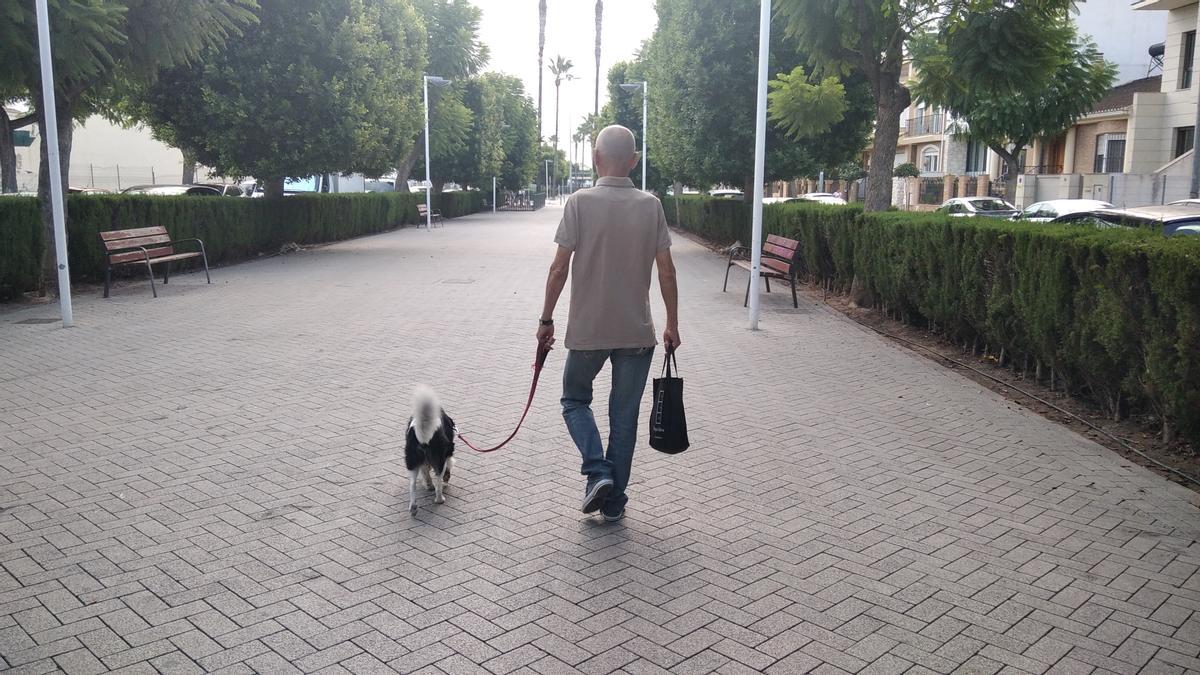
{"x": 555, "y": 282}
{"x": 670, "y": 294}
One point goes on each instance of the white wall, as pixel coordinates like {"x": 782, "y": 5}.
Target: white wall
{"x": 1151, "y": 139}
{"x": 1124, "y": 35}
{"x": 105, "y": 155}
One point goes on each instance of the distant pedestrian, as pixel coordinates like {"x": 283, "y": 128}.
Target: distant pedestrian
{"x": 610, "y": 238}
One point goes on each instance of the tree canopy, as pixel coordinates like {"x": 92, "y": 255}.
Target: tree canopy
{"x": 1005, "y": 119}
{"x": 316, "y": 86}
{"x": 700, "y": 64}
{"x": 870, "y": 36}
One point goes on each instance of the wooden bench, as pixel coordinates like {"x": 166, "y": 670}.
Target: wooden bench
{"x": 780, "y": 260}
{"x": 422, "y": 210}
{"x": 147, "y": 246}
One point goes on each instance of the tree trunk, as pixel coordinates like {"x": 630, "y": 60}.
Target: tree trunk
{"x": 8, "y": 156}
{"x": 1011, "y": 161}
{"x": 66, "y": 128}
{"x": 748, "y": 189}
{"x": 273, "y": 188}
{"x": 189, "y": 168}
{"x": 404, "y": 169}
{"x": 677, "y": 190}
{"x": 890, "y": 101}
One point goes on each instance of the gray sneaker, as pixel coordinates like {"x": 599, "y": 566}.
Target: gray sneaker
{"x": 614, "y": 519}
{"x": 593, "y": 498}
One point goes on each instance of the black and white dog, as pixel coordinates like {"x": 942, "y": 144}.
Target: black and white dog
{"x": 428, "y": 447}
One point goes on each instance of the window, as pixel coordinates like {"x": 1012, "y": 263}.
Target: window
{"x": 1110, "y": 153}
{"x": 976, "y": 156}
{"x": 929, "y": 159}
{"x": 1189, "y": 55}
{"x": 1185, "y": 137}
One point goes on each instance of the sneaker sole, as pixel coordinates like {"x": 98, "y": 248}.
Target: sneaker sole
{"x": 615, "y": 519}
{"x": 593, "y": 500}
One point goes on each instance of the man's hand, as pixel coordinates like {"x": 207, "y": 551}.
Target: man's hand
{"x": 545, "y": 335}
{"x": 671, "y": 338}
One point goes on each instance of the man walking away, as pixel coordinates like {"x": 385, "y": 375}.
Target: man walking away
{"x": 610, "y": 238}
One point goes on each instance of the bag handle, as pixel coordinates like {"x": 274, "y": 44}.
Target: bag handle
{"x": 667, "y": 362}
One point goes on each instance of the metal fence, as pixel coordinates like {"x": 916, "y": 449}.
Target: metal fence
{"x": 930, "y": 191}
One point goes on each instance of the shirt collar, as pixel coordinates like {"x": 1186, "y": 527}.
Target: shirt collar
{"x": 614, "y": 181}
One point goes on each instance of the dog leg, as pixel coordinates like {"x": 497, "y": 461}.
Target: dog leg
{"x": 446, "y": 477}
{"x": 437, "y": 488}
{"x": 426, "y": 472}
{"x": 412, "y": 492}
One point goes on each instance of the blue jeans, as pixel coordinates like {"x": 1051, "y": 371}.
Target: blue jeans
{"x": 630, "y": 368}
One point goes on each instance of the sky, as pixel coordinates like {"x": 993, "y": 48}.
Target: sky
{"x": 510, "y": 30}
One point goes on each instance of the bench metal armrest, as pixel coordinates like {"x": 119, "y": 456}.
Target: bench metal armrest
{"x": 735, "y": 250}
{"x": 198, "y": 241}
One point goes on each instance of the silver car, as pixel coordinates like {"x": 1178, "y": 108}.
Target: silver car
{"x": 962, "y": 207}
{"x": 1044, "y": 212}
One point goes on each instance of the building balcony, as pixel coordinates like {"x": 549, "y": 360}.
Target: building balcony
{"x": 924, "y": 125}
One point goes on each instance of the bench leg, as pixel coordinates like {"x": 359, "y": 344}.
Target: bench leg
{"x": 204, "y": 257}
{"x": 166, "y": 273}
{"x": 748, "y": 282}
{"x": 726, "y": 284}
{"x": 795, "y": 303}
{"x": 150, "y": 270}
{"x": 768, "y": 280}
{"x": 107, "y": 279}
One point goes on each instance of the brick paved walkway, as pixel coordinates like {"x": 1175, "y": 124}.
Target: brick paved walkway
{"x": 213, "y": 480}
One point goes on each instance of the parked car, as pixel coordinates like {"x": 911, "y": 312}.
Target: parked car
{"x": 727, "y": 194}
{"x": 173, "y": 190}
{"x": 823, "y": 198}
{"x": 225, "y": 190}
{"x": 1186, "y": 231}
{"x": 1169, "y": 217}
{"x": 88, "y": 191}
{"x": 1179, "y": 202}
{"x": 1044, "y": 212}
{"x": 778, "y": 200}
{"x": 964, "y": 207}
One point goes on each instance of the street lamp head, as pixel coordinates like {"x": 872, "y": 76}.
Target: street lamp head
{"x": 631, "y": 87}
{"x": 437, "y": 81}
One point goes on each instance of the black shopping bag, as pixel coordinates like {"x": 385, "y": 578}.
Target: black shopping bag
{"x": 668, "y": 426}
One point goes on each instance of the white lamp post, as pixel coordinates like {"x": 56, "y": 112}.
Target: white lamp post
{"x": 437, "y": 82}
{"x": 56, "y": 188}
{"x": 632, "y": 87}
{"x": 760, "y": 156}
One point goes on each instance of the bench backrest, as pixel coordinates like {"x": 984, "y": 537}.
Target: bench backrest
{"x": 422, "y": 209}
{"x": 117, "y": 244}
{"x": 780, "y": 254}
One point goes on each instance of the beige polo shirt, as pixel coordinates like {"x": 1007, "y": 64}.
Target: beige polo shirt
{"x": 616, "y": 231}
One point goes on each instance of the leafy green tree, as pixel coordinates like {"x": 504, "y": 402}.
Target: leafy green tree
{"x": 870, "y": 36}
{"x": 100, "y": 47}
{"x": 454, "y": 51}
{"x": 558, "y": 164}
{"x": 626, "y": 109}
{"x": 701, "y": 68}
{"x": 315, "y": 87}
{"x": 1005, "y": 120}
{"x": 8, "y": 151}
{"x": 486, "y": 127}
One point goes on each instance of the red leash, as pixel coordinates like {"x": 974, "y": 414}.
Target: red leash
{"x": 542, "y": 352}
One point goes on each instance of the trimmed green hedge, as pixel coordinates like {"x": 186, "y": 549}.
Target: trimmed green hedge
{"x": 1115, "y": 313}
{"x": 232, "y": 228}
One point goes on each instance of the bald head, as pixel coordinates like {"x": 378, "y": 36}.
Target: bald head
{"x": 616, "y": 151}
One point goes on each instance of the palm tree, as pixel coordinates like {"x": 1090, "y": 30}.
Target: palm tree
{"x": 599, "y": 21}
{"x": 562, "y": 71}
{"x": 541, "y": 52}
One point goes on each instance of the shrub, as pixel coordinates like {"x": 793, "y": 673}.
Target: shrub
{"x": 906, "y": 170}
{"x": 232, "y": 228}
{"x": 1115, "y": 312}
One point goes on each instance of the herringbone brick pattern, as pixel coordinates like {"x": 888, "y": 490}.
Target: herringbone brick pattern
{"x": 212, "y": 481}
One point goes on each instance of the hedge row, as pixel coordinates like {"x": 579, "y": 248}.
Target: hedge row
{"x": 232, "y": 228}
{"x": 1114, "y": 313}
